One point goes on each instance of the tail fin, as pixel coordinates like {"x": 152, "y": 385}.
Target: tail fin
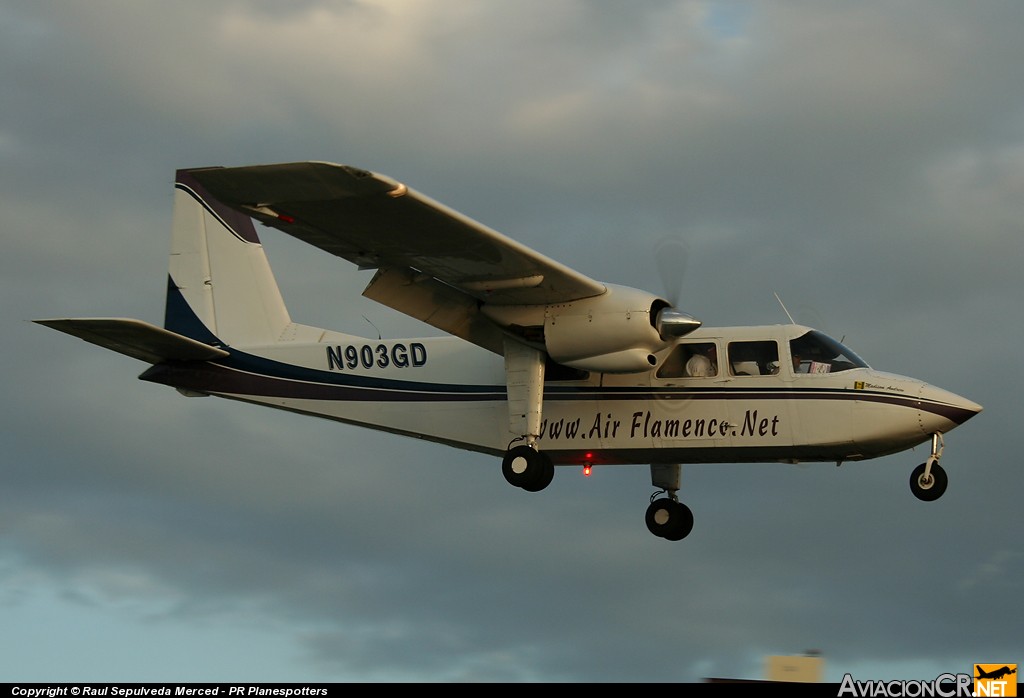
{"x": 220, "y": 287}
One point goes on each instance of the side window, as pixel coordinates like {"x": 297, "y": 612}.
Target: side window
{"x": 691, "y": 361}
{"x": 816, "y": 352}
{"x": 753, "y": 358}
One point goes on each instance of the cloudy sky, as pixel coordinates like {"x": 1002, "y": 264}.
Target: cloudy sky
{"x": 863, "y": 160}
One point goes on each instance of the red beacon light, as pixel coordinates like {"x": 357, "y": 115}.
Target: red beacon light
{"x": 586, "y": 464}
{"x": 267, "y": 211}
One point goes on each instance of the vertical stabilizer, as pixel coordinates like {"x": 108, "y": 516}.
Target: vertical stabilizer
{"x": 220, "y": 285}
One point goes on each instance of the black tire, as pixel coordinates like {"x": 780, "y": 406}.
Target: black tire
{"x": 682, "y": 524}
{"x": 545, "y": 474}
{"x": 668, "y": 519}
{"x": 528, "y": 468}
{"x": 928, "y": 491}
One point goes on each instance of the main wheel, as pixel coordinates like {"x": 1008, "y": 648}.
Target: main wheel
{"x": 669, "y": 519}
{"x": 528, "y": 468}
{"x": 931, "y": 488}
{"x": 545, "y": 474}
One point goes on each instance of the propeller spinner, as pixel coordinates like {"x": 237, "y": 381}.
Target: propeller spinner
{"x": 673, "y": 324}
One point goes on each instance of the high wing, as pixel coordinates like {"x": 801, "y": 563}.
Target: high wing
{"x": 433, "y": 263}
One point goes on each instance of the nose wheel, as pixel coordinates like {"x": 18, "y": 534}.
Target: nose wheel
{"x": 928, "y": 481}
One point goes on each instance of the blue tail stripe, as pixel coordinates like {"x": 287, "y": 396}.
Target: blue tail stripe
{"x": 179, "y": 317}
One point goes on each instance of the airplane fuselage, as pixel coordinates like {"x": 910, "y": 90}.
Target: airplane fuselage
{"x": 445, "y": 390}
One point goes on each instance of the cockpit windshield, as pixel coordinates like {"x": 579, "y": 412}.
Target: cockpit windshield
{"x": 816, "y": 352}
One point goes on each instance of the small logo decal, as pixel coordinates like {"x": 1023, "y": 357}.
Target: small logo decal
{"x": 995, "y": 679}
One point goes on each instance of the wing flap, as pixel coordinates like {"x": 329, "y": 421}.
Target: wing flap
{"x": 135, "y": 338}
{"x": 375, "y": 221}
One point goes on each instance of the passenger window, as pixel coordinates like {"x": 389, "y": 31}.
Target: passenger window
{"x": 753, "y": 358}
{"x": 691, "y": 361}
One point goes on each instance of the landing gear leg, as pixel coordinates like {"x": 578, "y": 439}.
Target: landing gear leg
{"x": 929, "y": 481}
{"x": 525, "y": 466}
{"x": 667, "y": 517}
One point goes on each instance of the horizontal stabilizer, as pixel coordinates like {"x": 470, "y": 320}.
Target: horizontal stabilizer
{"x": 137, "y": 339}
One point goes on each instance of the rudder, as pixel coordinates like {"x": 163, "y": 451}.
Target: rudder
{"x": 220, "y": 286}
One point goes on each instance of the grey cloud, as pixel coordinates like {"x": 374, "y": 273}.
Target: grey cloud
{"x": 863, "y": 161}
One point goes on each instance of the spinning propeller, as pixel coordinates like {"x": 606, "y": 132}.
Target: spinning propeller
{"x": 671, "y": 255}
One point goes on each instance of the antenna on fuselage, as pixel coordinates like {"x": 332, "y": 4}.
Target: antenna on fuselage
{"x": 791, "y": 320}
{"x": 373, "y": 326}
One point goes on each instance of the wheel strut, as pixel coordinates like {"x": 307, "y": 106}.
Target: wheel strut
{"x": 938, "y": 445}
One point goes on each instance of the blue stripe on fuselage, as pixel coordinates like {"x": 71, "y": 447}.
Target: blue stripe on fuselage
{"x": 244, "y": 374}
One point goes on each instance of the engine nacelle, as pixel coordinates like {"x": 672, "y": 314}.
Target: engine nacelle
{"x": 615, "y": 332}
{"x": 620, "y": 331}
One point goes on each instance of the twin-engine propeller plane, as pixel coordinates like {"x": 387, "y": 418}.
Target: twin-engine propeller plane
{"x": 544, "y": 366}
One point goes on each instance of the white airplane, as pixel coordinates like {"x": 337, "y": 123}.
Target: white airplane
{"x": 544, "y": 366}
